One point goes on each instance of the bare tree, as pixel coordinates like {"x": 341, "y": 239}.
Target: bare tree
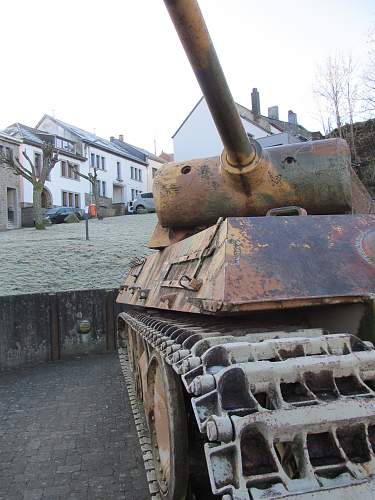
{"x": 36, "y": 175}
{"x": 369, "y": 76}
{"x": 330, "y": 88}
{"x": 351, "y": 98}
{"x": 93, "y": 180}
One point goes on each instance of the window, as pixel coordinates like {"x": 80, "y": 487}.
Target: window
{"x": 92, "y": 160}
{"x": 64, "y": 199}
{"x": 8, "y": 153}
{"x": 70, "y": 171}
{"x": 136, "y": 174}
{"x": 38, "y": 163}
{"x": 64, "y": 144}
{"x": 70, "y": 199}
{"x": 63, "y": 169}
{"x": 119, "y": 178}
{"x": 103, "y": 163}
{"x": 104, "y": 188}
{"x": 133, "y": 193}
{"x": 154, "y": 170}
{"x": 98, "y": 185}
{"x": 97, "y": 161}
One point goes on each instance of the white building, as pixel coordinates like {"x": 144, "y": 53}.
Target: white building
{"x": 197, "y": 136}
{"x": 122, "y": 174}
{"x": 153, "y": 162}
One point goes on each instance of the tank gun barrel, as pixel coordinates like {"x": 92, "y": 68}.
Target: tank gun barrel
{"x": 239, "y": 150}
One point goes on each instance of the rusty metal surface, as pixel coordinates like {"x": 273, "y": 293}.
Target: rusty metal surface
{"x": 186, "y": 15}
{"x": 246, "y": 263}
{"x": 289, "y": 414}
{"x": 315, "y": 176}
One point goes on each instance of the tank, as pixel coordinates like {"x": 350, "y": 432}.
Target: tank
{"x": 246, "y": 337}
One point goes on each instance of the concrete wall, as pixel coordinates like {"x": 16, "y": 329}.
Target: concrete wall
{"x": 36, "y": 328}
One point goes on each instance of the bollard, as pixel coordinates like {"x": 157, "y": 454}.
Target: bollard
{"x": 87, "y": 225}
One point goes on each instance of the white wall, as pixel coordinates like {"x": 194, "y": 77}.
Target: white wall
{"x": 110, "y": 173}
{"x": 152, "y": 164}
{"x": 198, "y": 137}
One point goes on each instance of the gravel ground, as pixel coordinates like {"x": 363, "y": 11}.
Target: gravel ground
{"x": 60, "y": 258}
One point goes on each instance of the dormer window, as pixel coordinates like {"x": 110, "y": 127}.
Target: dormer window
{"x": 64, "y": 144}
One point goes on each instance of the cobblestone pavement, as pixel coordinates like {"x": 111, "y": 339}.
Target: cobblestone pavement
{"x": 67, "y": 432}
{"x": 60, "y": 258}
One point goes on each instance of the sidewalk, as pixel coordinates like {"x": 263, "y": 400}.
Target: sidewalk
{"x": 67, "y": 432}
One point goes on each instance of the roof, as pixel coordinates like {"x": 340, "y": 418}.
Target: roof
{"x": 129, "y": 149}
{"x": 292, "y": 128}
{"x": 152, "y": 156}
{"x": 263, "y": 122}
{"x": 26, "y": 133}
{"x": 137, "y": 151}
{"x": 96, "y": 141}
{"x": 9, "y": 138}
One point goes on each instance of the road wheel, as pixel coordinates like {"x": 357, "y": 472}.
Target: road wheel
{"x": 168, "y": 429}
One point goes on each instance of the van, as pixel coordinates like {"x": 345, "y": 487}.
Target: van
{"x": 144, "y": 201}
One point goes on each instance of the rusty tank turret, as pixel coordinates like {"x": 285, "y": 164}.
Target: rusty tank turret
{"x": 246, "y": 338}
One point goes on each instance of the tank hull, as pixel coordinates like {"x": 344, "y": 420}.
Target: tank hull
{"x": 259, "y": 263}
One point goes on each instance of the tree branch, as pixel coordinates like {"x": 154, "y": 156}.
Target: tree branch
{"x": 17, "y": 167}
{"x": 91, "y": 178}
{"x": 33, "y": 170}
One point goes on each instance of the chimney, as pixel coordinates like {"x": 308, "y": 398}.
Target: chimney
{"x": 292, "y": 117}
{"x": 121, "y": 138}
{"x": 273, "y": 112}
{"x": 111, "y": 138}
{"x": 255, "y": 102}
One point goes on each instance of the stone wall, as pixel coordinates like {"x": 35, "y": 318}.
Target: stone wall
{"x": 36, "y": 328}
{"x": 9, "y": 192}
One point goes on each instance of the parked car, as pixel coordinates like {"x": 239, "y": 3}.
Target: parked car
{"x": 144, "y": 201}
{"x": 57, "y": 215}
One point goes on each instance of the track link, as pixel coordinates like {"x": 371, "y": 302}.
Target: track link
{"x": 284, "y": 414}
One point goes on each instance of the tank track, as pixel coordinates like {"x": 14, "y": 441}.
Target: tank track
{"x": 284, "y": 414}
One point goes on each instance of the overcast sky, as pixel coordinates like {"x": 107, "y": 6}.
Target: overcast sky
{"x": 117, "y": 67}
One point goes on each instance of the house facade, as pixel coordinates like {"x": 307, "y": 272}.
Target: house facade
{"x": 10, "y": 210}
{"x": 197, "y": 136}
{"x": 152, "y": 161}
{"x": 122, "y": 174}
{"x": 63, "y": 187}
